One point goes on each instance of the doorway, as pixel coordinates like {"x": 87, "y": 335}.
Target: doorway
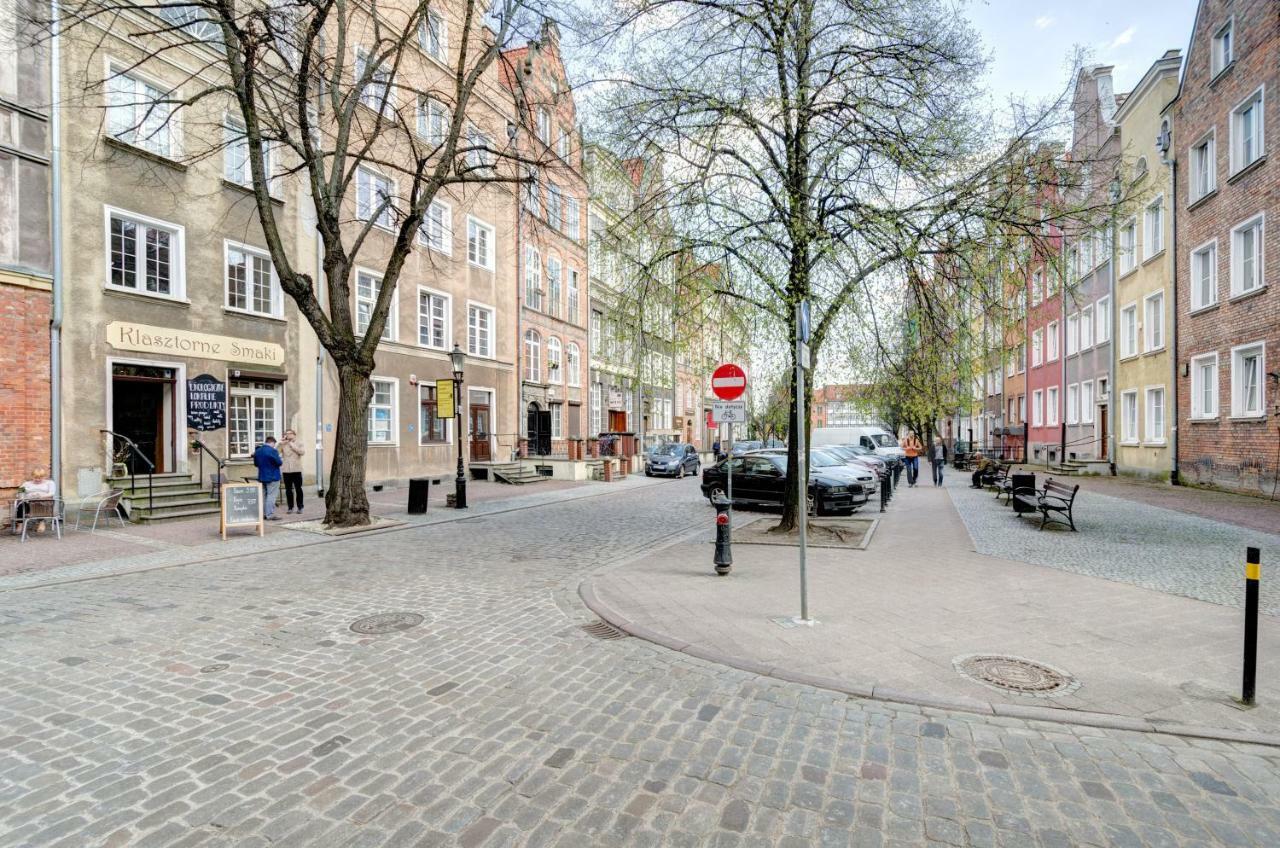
{"x": 539, "y": 429}
{"x": 1102, "y": 431}
{"x": 617, "y": 421}
{"x": 143, "y": 410}
{"x": 480, "y": 414}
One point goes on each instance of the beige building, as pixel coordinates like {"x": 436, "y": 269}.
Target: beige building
{"x": 1143, "y": 393}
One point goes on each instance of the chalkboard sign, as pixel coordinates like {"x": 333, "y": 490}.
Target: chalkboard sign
{"x": 241, "y": 506}
{"x": 206, "y": 403}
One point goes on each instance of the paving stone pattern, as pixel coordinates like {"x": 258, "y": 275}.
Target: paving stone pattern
{"x": 229, "y": 704}
{"x": 1129, "y": 541}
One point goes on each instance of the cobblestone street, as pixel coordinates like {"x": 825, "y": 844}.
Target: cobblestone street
{"x": 229, "y": 703}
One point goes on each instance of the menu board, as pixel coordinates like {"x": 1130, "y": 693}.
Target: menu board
{"x": 241, "y": 506}
{"x": 206, "y": 403}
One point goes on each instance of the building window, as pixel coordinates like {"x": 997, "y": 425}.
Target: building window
{"x": 367, "y": 288}
{"x": 1073, "y": 262}
{"x": 433, "y": 319}
{"x": 1247, "y": 138}
{"x": 1204, "y": 386}
{"x": 1086, "y": 254}
{"x": 1022, "y": 408}
{"x": 572, "y": 217}
{"x": 1102, "y": 314}
{"x": 1246, "y": 256}
{"x": 557, "y": 420}
{"x": 146, "y": 255}
{"x": 553, "y": 286}
{"x": 1073, "y": 404}
{"x": 138, "y": 114}
{"x": 1037, "y": 287}
{"x": 382, "y": 412}
{"x": 1012, "y": 409}
{"x": 532, "y": 356}
{"x": 433, "y": 120}
{"x": 1246, "y": 380}
{"x": 1051, "y": 405}
{"x": 1129, "y": 417}
{"x": 376, "y": 93}
{"x": 563, "y": 144}
{"x": 597, "y": 318}
{"x": 1155, "y": 416}
{"x": 236, "y": 154}
{"x": 532, "y": 278}
{"x": 436, "y": 231}
{"x": 479, "y": 331}
{"x": 555, "y": 206}
{"x": 1086, "y": 328}
{"x": 1037, "y": 408}
{"x": 479, "y": 156}
{"x": 253, "y": 413}
{"x": 433, "y": 36}
{"x": 1223, "y": 48}
{"x": 1203, "y": 168}
{"x": 1204, "y": 275}
{"x": 251, "y": 282}
{"x": 1128, "y": 246}
{"x": 1153, "y": 327}
{"x": 479, "y": 243}
{"x": 374, "y": 194}
{"x": 432, "y": 428}
{"x": 571, "y": 313}
{"x": 1086, "y": 402}
{"x": 1153, "y": 233}
{"x": 1073, "y": 334}
{"x": 544, "y": 126}
{"x": 597, "y": 413}
{"x": 573, "y": 364}
{"x": 554, "y": 372}
{"x": 1051, "y": 336}
{"x": 1129, "y": 330}
{"x": 1037, "y": 348}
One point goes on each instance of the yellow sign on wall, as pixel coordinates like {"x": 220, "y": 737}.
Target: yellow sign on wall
{"x": 168, "y": 340}
{"x": 444, "y": 399}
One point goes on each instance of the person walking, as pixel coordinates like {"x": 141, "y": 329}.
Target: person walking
{"x": 912, "y": 449}
{"x": 291, "y": 450}
{"x": 267, "y": 460}
{"x": 938, "y": 459}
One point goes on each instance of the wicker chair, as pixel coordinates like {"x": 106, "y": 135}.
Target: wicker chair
{"x": 103, "y": 505}
{"x": 38, "y": 511}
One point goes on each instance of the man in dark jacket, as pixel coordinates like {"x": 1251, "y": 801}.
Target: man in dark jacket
{"x": 268, "y": 461}
{"x": 984, "y": 470}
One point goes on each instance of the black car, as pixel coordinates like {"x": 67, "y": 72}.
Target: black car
{"x": 761, "y": 478}
{"x": 672, "y": 460}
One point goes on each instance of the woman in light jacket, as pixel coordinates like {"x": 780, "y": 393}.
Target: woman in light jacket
{"x": 291, "y": 451}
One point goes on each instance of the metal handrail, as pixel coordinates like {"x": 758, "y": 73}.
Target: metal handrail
{"x": 218, "y": 461}
{"x": 151, "y": 466}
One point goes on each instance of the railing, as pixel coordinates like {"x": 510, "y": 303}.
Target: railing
{"x": 151, "y": 466}
{"x": 219, "y": 463}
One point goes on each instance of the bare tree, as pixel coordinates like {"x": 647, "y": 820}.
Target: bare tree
{"x": 323, "y": 92}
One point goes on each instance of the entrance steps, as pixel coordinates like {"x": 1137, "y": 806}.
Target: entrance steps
{"x": 514, "y": 472}
{"x": 170, "y": 496}
{"x": 1080, "y": 467}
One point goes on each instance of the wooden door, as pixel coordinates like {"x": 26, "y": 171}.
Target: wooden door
{"x": 1102, "y": 431}
{"x": 480, "y": 447}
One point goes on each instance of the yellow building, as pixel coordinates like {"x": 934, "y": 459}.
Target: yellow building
{"x": 1143, "y": 403}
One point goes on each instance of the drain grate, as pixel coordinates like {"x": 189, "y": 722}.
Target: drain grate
{"x": 1016, "y": 674}
{"x": 602, "y": 630}
{"x": 386, "y": 622}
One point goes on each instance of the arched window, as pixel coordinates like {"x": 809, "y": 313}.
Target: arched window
{"x": 532, "y": 356}
{"x": 554, "y": 372}
{"x": 573, "y": 365}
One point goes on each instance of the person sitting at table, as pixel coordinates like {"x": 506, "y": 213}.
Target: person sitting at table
{"x": 39, "y": 488}
{"x": 983, "y": 469}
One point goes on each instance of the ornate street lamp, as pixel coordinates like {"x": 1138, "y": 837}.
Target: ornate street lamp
{"x": 460, "y": 484}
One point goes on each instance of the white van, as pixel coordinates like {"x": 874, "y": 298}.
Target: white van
{"x": 875, "y": 439}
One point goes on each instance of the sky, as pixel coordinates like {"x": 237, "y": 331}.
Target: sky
{"x": 1030, "y": 43}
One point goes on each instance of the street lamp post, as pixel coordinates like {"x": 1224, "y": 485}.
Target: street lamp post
{"x": 460, "y": 483}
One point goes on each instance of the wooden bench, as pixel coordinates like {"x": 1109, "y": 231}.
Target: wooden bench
{"x": 998, "y": 477}
{"x": 1054, "y": 499}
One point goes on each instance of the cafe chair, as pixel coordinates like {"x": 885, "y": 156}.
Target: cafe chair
{"x": 45, "y": 509}
{"x": 103, "y": 505}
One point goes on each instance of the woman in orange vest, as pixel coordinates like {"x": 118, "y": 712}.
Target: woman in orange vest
{"x": 912, "y": 448}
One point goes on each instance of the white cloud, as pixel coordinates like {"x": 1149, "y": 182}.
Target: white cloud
{"x": 1124, "y": 37}
{"x": 1044, "y": 22}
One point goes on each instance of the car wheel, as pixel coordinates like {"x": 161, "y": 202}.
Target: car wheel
{"x": 680, "y": 473}
{"x": 648, "y": 473}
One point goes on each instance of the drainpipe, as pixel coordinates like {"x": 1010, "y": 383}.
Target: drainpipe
{"x": 1174, "y": 470}
{"x": 55, "y": 234}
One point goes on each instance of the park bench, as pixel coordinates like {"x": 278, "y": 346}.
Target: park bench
{"x": 998, "y": 478}
{"x": 1054, "y": 499}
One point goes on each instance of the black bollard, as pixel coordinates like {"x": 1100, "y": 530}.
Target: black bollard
{"x": 1252, "y": 579}
{"x": 724, "y": 549}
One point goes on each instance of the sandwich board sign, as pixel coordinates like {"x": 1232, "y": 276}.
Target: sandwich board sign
{"x": 241, "y": 507}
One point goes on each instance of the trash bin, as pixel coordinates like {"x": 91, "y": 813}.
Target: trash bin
{"x": 1021, "y": 481}
{"x": 419, "y": 491}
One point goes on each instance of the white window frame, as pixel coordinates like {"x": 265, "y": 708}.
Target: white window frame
{"x": 1149, "y": 326}
{"x": 531, "y": 345}
{"x": 177, "y": 264}
{"x": 434, "y": 118}
{"x": 1051, "y": 406}
{"x": 1199, "y": 411}
{"x": 427, "y": 232}
{"x": 532, "y": 278}
{"x": 1129, "y": 429}
{"x": 1259, "y": 259}
{"x": 1153, "y": 228}
{"x": 595, "y": 394}
{"x": 365, "y": 205}
{"x": 447, "y": 321}
{"x": 1150, "y": 436}
{"x": 554, "y": 355}
{"x": 423, "y": 441}
{"x": 254, "y": 395}
{"x": 1052, "y": 342}
{"x": 475, "y": 225}
{"x": 487, "y": 352}
{"x": 371, "y": 95}
{"x": 390, "y": 331}
{"x": 1073, "y": 334}
{"x": 1037, "y": 348}
{"x": 1219, "y": 58}
{"x": 556, "y": 408}
{"x": 1102, "y": 319}
{"x": 394, "y": 440}
{"x": 1073, "y": 404}
{"x": 277, "y": 297}
{"x": 573, "y": 294}
{"x": 136, "y": 133}
{"x": 1086, "y": 328}
{"x": 1086, "y": 402}
{"x": 236, "y": 142}
{"x": 434, "y": 42}
{"x": 1210, "y": 247}
{"x": 1037, "y": 286}
{"x": 1128, "y": 342}
{"x": 1129, "y": 245}
{"x": 542, "y": 125}
{"x": 573, "y": 364}
{"x": 1237, "y": 356}
{"x": 1258, "y": 95}
{"x": 1204, "y": 153}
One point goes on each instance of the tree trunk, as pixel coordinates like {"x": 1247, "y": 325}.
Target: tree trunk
{"x": 346, "y": 504}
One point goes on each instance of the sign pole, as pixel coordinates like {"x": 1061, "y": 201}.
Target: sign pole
{"x": 801, "y": 473}
{"x": 728, "y": 464}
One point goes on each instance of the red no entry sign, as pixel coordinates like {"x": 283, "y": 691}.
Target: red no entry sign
{"x": 728, "y": 382}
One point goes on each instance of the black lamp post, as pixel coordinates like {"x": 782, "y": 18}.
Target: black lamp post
{"x": 460, "y": 484}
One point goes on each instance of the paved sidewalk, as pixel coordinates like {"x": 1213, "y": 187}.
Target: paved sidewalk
{"x": 1251, "y": 511}
{"x": 893, "y": 619}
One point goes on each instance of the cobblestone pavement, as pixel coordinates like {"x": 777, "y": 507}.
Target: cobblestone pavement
{"x": 229, "y": 704}
{"x": 1256, "y": 512}
{"x": 1129, "y": 541}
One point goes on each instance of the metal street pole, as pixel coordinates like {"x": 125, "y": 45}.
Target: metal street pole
{"x": 459, "y": 484}
{"x": 802, "y": 477}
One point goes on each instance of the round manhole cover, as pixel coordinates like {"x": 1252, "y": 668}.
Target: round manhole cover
{"x": 386, "y": 622}
{"x": 1016, "y": 674}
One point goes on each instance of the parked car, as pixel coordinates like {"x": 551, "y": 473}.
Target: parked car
{"x": 739, "y": 448}
{"x": 864, "y": 457}
{"x": 831, "y": 463}
{"x": 875, "y": 439}
{"x": 760, "y": 478}
{"x": 672, "y": 460}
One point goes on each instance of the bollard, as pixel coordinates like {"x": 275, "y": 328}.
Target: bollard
{"x": 897, "y": 471}
{"x": 1252, "y": 577}
{"x": 888, "y": 484}
{"x": 724, "y": 549}
{"x": 884, "y": 495}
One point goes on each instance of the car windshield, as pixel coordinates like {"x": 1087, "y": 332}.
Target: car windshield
{"x": 858, "y": 449}
{"x": 669, "y": 450}
{"x": 820, "y": 459}
{"x": 884, "y": 440}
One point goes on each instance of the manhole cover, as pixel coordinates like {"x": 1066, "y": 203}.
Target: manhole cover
{"x": 602, "y": 630}
{"x": 385, "y": 622}
{"x": 215, "y": 667}
{"x": 1016, "y": 674}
